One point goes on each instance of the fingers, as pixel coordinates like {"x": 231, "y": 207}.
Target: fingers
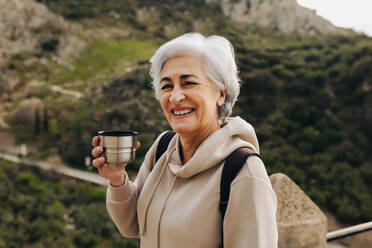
{"x": 95, "y": 141}
{"x": 98, "y": 162}
{"x": 138, "y": 145}
{"x": 96, "y": 152}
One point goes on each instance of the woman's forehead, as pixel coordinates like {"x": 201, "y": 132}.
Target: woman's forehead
{"x": 183, "y": 65}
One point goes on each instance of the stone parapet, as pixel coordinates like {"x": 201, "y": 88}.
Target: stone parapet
{"x": 301, "y": 224}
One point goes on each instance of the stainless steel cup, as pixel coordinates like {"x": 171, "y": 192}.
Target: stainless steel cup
{"x": 119, "y": 146}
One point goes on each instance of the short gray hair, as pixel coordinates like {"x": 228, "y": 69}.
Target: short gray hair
{"x": 218, "y": 58}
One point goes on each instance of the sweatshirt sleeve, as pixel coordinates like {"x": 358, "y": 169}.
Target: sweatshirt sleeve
{"x": 121, "y": 202}
{"x": 250, "y": 219}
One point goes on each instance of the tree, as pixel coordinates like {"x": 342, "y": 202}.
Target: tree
{"x": 37, "y": 122}
{"x": 46, "y": 120}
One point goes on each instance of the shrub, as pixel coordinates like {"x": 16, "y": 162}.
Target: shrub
{"x": 29, "y": 183}
{"x": 97, "y": 194}
{"x": 280, "y": 71}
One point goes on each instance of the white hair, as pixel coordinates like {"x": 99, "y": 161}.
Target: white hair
{"x": 218, "y": 60}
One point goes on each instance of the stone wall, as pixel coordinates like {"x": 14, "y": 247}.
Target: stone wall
{"x": 301, "y": 224}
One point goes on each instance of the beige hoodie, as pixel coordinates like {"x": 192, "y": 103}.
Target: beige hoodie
{"x": 175, "y": 205}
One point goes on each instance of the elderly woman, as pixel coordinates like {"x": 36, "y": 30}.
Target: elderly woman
{"x": 174, "y": 201}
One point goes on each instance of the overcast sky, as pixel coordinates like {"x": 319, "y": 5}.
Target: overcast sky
{"x": 356, "y": 14}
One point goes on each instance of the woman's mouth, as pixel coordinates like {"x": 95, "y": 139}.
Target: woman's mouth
{"x": 182, "y": 112}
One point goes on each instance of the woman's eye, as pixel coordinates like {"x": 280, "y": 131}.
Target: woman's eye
{"x": 166, "y": 86}
{"x": 189, "y": 83}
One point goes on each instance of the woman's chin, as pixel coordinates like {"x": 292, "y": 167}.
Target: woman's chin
{"x": 183, "y": 129}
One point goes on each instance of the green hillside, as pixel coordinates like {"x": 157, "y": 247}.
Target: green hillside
{"x": 45, "y": 210}
{"x": 309, "y": 98}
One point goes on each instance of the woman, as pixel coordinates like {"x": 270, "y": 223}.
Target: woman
{"x": 174, "y": 202}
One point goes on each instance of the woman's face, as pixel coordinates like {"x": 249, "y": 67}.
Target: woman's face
{"x": 189, "y": 99}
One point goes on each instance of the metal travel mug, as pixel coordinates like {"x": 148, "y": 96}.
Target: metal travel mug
{"x": 119, "y": 146}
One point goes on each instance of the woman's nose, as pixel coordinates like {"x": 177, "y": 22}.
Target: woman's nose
{"x": 177, "y": 96}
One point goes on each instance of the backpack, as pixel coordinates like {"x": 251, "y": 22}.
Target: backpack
{"x": 234, "y": 162}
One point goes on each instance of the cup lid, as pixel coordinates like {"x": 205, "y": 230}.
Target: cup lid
{"x": 117, "y": 133}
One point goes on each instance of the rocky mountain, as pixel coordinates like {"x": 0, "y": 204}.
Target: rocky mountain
{"x": 29, "y": 33}
{"x": 27, "y": 26}
{"x": 285, "y": 15}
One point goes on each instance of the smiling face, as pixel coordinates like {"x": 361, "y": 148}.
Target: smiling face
{"x": 189, "y": 99}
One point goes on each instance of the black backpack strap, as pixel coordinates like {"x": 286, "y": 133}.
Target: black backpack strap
{"x": 234, "y": 163}
{"x": 163, "y": 144}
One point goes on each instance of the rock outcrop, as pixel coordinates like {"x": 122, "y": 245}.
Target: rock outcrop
{"x": 284, "y": 15}
{"x": 29, "y": 27}
{"x": 301, "y": 224}
{"x": 26, "y": 111}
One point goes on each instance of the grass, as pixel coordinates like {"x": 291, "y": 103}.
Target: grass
{"x": 63, "y": 100}
{"x": 5, "y": 162}
{"x": 104, "y": 56}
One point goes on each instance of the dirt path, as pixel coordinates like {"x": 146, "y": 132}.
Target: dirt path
{"x": 59, "y": 168}
{"x": 7, "y": 142}
{"x": 59, "y": 89}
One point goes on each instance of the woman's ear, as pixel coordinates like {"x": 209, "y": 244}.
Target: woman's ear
{"x": 221, "y": 98}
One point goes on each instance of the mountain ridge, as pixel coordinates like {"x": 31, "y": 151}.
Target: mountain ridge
{"x": 285, "y": 15}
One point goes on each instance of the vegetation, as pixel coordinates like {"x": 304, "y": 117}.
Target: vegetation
{"x": 45, "y": 210}
{"x": 308, "y": 98}
{"x": 103, "y": 56}
{"x": 311, "y": 114}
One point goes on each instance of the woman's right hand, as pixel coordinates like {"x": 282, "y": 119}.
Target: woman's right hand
{"x": 114, "y": 173}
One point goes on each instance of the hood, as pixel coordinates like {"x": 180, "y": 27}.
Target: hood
{"x": 235, "y": 133}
